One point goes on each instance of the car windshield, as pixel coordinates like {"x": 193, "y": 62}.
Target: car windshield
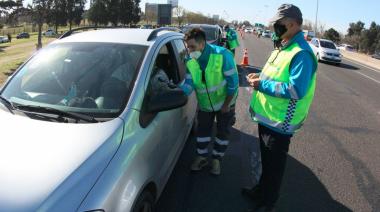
{"x": 89, "y": 78}
{"x": 328, "y": 44}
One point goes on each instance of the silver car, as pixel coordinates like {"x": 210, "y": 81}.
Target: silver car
{"x": 94, "y": 122}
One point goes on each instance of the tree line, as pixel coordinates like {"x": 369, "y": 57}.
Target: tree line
{"x": 366, "y": 40}
{"x": 69, "y": 12}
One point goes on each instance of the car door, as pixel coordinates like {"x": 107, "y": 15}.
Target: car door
{"x": 169, "y": 126}
{"x": 313, "y": 46}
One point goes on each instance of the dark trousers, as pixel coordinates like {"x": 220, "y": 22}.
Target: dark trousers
{"x": 274, "y": 147}
{"x": 204, "y": 132}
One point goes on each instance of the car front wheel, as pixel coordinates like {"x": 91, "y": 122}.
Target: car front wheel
{"x": 145, "y": 203}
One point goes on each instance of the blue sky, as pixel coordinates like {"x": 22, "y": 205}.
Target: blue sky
{"x": 332, "y": 13}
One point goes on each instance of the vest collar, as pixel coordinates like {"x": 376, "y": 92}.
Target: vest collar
{"x": 205, "y": 54}
{"x": 295, "y": 39}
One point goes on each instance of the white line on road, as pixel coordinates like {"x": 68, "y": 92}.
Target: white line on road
{"x": 370, "y": 68}
{"x": 368, "y": 77}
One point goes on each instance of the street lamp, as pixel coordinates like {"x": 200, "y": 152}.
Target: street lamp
{"x": 316, "y": 18}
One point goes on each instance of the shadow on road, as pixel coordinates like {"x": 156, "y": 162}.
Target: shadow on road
{"x": 2, "y": 48}
{"x": 342, "y": 65}
{"x": 11, "y": 71}
{"x": 201, "y": 192}
{"x": 302, "y": 191}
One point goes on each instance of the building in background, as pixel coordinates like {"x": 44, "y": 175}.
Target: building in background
{"x": 174, "y": 3}
{"x": 164, "y": 15}
{"x": 161, "y": 13}
{"x": 216, "y": 18}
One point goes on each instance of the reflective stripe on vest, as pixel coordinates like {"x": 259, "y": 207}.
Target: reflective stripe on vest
{"x": 286, "y": 115}
{"x": 212, "y": 94}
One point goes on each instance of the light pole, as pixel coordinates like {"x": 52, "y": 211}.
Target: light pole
{"x": 316, "y": 18}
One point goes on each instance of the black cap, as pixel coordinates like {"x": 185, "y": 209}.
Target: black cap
{"x": 287, "y": 11}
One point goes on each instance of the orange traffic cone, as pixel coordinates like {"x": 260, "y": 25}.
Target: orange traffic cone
{"x": 245, "y": 62}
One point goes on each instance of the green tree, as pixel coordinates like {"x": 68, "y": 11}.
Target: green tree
{"x": 98, "y": 12}
{"x": 136, "y": 12}
{"x": 126, "y": 10}
{"x": 180, "y": 14}
{"x": 41, "y": 10}
{"x": 58, "y": 14}
{"x": 332, "y": 34}
{"x": 75, "y": 10}
{"x": 9, "y": 5}
{"x": 113, "y": 10}
{"x": 355, "y": 28}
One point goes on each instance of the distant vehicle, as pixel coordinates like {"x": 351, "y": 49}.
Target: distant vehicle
{"x": 49, "y": 33}
{"x": 325, "y": 50}
{"x": 259, "y": 30}
{"x": 248, "y": 30}
{"x": 266, "y": 34}
{"x": 4, "y": 39}
{"x": 23, "y": 35}
{"x": 308, "y": 34}
{"x": 346, "y": 47}
{"x": 214, "y": 33}
{"x": 376, "y": 56}
{"x": 146, "y": 26}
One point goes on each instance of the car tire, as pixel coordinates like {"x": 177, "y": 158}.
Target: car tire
{"x": 337, "y": 64}
{"x": 145, "y": 203}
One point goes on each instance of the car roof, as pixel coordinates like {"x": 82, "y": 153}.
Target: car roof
{"x": 325, "y": 40}
{"x": 122, "y": 35}
{"x": 202, "y": 26}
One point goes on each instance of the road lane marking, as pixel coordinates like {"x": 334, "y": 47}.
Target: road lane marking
{"x": 373, "y": 69}
{"x": 377, "y": 81}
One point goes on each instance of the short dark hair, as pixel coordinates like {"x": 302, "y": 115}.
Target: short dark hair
{"x": 197, "y": 34}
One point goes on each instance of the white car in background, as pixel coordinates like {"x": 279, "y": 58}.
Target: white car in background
{"x": 49, "y": 33}
{"x": 346, "y": 47}
{"x": 248, "y": 30}
{"x": 266, "y": 34}
{"x": 325, "y": 50}
{"x": 4, "y": 39}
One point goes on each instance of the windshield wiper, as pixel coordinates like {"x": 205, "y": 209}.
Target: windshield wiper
{"x": 7, "y": 104}
{"x": 60, "y": 113}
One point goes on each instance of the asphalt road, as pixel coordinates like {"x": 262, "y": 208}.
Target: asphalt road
{"x": 333, "y": 163}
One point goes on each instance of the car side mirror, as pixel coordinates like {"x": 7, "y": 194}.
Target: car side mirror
{"x": 166, "y": 100}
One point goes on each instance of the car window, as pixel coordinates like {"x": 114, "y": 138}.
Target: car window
{"x": 182, "y": 53}
{"x": 164, "y": 75}
{"x": 166, "y": 61}
{"x": 91, "y": 78}
{"x": 328, "y": 45}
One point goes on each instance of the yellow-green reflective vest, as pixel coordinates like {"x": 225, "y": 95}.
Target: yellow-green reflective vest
{"x": 212, "y": 93}
{"x": 232, "y": 43}
{"x": 285, "y": 115}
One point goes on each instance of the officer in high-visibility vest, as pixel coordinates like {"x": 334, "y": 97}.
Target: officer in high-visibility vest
{"x": 212, "y": 73}
{"x": 281, "y": 100}
{"x": 231, "y": 38}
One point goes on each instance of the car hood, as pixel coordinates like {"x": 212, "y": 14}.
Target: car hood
{"x": 46, "y": 165}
